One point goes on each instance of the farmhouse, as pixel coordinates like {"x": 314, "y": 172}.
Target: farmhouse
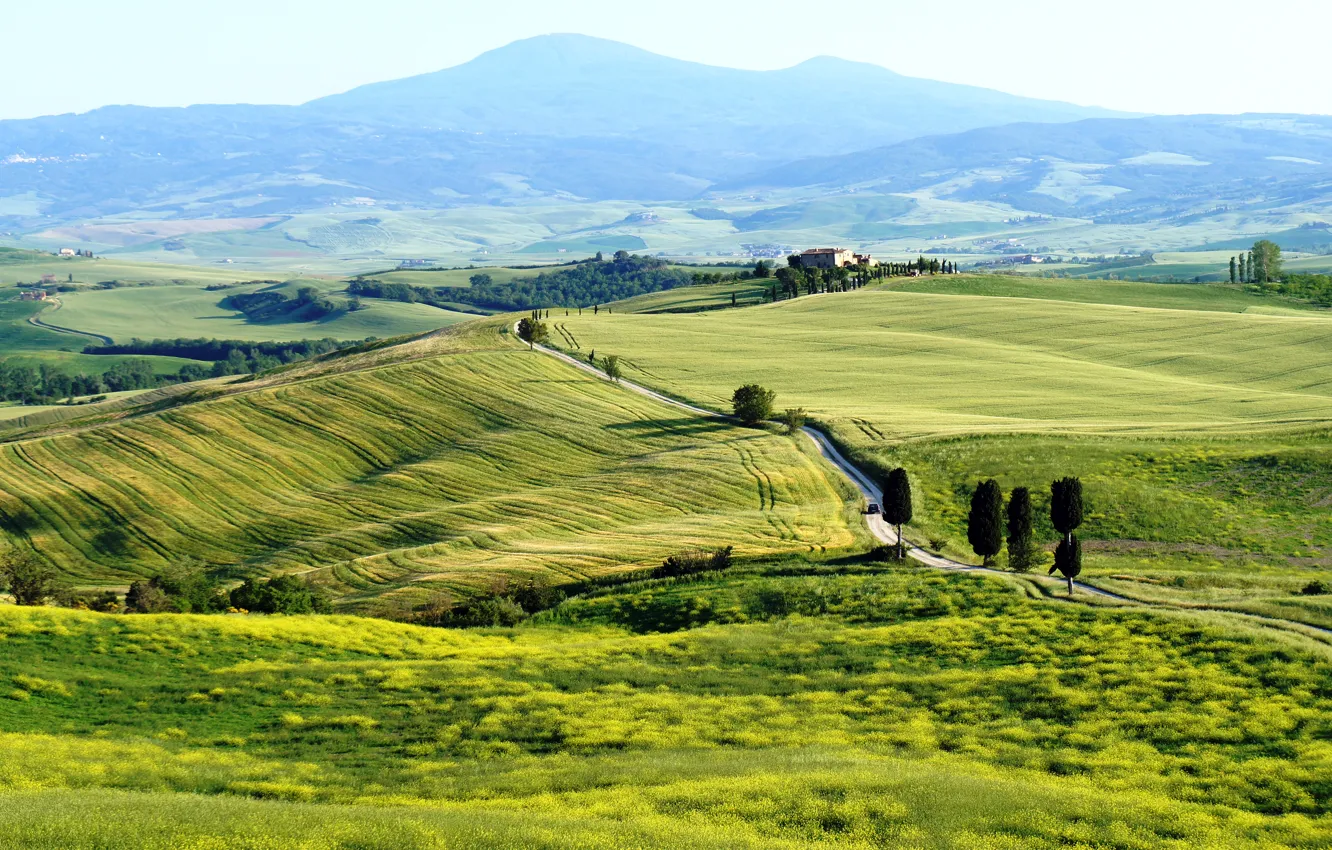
{"x": 33, "y": 295}
{"x": 832, "y": 258}
{"x": 48, "y": 278}
{"x": 66, "y": 252}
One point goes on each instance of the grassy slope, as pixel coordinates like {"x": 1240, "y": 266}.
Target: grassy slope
{"x": 862, "y": 709}
{"x": 437, "y": 464}
{"x": 1201, "y": 435}
{"x": 160, "y": 312}
{"x": 1180, "y": 296}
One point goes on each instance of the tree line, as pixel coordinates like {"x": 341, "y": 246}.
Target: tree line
{"x": 585, "y": 284}
{"x": 1262, "y": 264}
{"x": 308, "y": 304}
{"x": 216, "y": 350}
{"x": 1262, "y": 268}
{"x": 796, "y": 279}
{"x": 184, "y": 588}
{"x": 47, "y": 384}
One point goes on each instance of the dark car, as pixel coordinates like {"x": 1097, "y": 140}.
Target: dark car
{"x": 874, "y": 508}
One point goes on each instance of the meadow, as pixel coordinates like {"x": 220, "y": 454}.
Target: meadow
{"x": 169, "y": 312}
{"x": 429, "y": 466}
{"x": 1201, "y": 432}
{"x": 792, "y": 703}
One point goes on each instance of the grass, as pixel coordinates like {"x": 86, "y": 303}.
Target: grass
{"x": 454, "y": 277}
{"x": 1201, "y": 434}
{"x": 790, "y": 703}
{"x": 1177, "y": 296}
{"x": 163, "y": 312}
{"x": 433, "y": 465}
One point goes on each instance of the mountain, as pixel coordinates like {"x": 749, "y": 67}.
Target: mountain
{"x": 1113, "y": 170}
{"x": 551, "y": 116}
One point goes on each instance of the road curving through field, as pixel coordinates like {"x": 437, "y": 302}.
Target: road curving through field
{"x": 36, "y": 321}
{"x": 886, "y": 535}
{"x": 863, "y": 482}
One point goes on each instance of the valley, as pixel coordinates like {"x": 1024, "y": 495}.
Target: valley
{"x": 582, "y": 447}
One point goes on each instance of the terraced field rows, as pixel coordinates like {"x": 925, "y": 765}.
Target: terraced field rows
{"x": 439, "y": 472}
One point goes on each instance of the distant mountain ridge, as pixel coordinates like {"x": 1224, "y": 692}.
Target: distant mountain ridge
{"x": 557, "y": 115}
{"x": 1144, "y": 169}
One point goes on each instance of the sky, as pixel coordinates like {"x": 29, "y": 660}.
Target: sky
{"x": 1163, "y": 56}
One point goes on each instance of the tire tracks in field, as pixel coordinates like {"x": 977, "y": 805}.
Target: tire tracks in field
{"x": 886, "y": 535}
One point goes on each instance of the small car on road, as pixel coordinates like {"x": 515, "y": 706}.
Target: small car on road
{"x": 873, "y": 508}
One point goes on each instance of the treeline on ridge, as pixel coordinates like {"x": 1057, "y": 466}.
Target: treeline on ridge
{"x": 214, "y": 350}
{"x": 594, "y": 281}
{"x": 45, "y": 384}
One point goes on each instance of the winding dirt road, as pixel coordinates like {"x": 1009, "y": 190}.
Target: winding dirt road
{"x": 883, "y": 532}
{"x": 37, "y": 321}
{"x": 886, "y": 534}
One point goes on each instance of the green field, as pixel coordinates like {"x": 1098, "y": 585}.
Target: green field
{"x": 30, "y": 266}
{"x": 164, "y": 312}
{"x": 1201, "y": 435}
{"x": 414, "y": 468}
{"x": 789, "y": 704}
{"x": 453, "y": 277}
{"x": 1182, "y": 296}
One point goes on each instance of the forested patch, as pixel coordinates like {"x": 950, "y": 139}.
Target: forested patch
{"x": 596, "y": 281}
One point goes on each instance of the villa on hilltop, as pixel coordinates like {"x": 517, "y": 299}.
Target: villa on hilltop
{"x": 833, "y": 258}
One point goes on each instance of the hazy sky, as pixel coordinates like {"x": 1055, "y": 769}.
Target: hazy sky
{"x": 1153, "y": 56}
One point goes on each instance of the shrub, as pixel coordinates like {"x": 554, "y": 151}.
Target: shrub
{"x": 694, "y": 561}
{"x": 794, "y": 419}
{"x": 1314, "y": 588}
{"x": 752, "y": 404}
{"x": 103, "y": 602}
{"x": 280, "y": 595}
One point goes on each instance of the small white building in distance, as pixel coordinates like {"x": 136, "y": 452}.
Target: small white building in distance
{"x": 66, "y": 252}
{"x": 832, "y": 258}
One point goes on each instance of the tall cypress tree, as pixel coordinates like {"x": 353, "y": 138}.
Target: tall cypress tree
{"x": 985, "y": 522}
{"x": 1021, "y": 552}
{"x": 1243, "y": 270}
{"x": 1066, "y": 506}
{"x": 1068, "y": 560}
{"x": 1233, "y": 271}
{"x": 897, "y": 504}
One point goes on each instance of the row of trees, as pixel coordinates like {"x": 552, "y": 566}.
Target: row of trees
{"x": 1261, "y": 265}
{"x": 185, "y": 588}
{"x": 583, "y": 284}
{"x": 986, "y": 526}
{"x": 795, "y": 279}
{"x": 45, "y": 384}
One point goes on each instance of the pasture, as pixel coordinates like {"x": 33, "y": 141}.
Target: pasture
{"x": 166, "y": 312}
{"x": 789, "y": 703}
{"x": 429, "y": 466}
{"x": 1202, "y": 435}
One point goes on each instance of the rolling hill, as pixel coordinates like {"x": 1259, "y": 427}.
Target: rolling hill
{"x": 1115, "y": 171}
{"x": 1199, "y": 429}
{"x": 420, "y": 467}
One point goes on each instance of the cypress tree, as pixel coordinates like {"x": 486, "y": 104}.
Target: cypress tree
{"x": 1233, "y": 271}
{"x": 897, "y": 504}
{"x": 1243, "y": 270}
{"x": 1068, "y": 560}
{"x": 1066, "y": 506}
{"x": 1021, "y": 553}
{"x": 985, "y": 523}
